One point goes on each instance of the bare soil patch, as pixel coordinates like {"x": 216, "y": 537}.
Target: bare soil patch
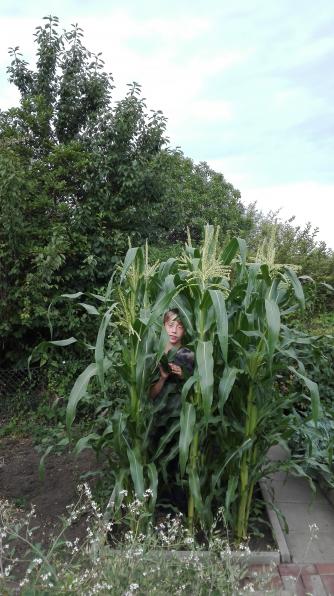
{"x": 20, "y": 483}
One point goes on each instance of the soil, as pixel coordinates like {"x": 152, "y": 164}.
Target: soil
{"x": 20, "y": 484}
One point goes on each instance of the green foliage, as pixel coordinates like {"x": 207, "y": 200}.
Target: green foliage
{"x": 294, "y": 244}
{"x": 194, "y": 195}
{"x": 323, "y": 324}
{"x": 314, "y": 444}
{"x": 39, "y": 423}
{"x": 80, "y": 173}
{"x": 73, "y": 169}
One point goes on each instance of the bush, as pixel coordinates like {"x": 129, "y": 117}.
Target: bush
{"x": 314, "y": 443}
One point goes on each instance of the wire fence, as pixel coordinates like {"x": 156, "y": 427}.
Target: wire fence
{"x": 19, "y": 389}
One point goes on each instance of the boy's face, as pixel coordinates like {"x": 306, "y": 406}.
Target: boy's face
{"x": 175, "y": 329}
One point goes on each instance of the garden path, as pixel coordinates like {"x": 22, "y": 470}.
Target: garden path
{"x": 303, "y": 510}
{"x": 312, "y": 550}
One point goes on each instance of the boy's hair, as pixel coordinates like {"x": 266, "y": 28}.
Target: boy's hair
{"x": 170, "y": 312}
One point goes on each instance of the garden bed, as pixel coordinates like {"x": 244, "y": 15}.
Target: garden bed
{"x": 20, "y": 484}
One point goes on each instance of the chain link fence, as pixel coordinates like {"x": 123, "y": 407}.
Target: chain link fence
{"x": 19, "y": 390}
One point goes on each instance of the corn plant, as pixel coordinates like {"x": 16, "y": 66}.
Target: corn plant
{"x": 261, "y": 349}
{"x": 231, "y": 412}
{"x": 201, "y": 304}
{"x": 236, "y": 315}
{"x": 127, "y": 344}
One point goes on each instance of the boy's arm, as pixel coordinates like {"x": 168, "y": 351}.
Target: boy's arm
{"x": 158, "y": 385}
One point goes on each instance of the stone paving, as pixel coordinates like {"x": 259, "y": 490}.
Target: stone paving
{"x": 290, "y": 579}
{"x": 311, "y": 570}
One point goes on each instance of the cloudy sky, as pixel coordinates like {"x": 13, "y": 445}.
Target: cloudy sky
{"x": 247, "y": 85}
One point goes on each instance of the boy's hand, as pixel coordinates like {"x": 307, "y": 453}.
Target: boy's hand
{"x": 176, "y": 370}
{"x": 163, "y": 374}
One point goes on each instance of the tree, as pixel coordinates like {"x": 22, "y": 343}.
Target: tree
{"x": 299, "y": 246}
{"x": 293, "y": 243}
{"x": 75, "y": 166}
{"x": 84, "y": 174}
{"x": 194, "y": 195}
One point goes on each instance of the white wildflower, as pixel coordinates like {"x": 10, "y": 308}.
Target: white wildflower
{"x": 23, "y": 582}
{"x": 148, "y": 493}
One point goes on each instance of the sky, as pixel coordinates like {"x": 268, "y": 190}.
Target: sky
{"x": 246, "y": 85}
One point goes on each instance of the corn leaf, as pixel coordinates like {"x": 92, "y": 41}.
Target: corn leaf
{"x": 290, "y": 353}
{"x": 326, "y": 285}
{"x": 166, "y": 438}
{"x": 72, "y": 296}
{"x": 41, "y": 467}
{"x": 98, "y": 297}
{"x": 144, "y": 360}
{"x": 204, "y": 362}
{"x": 129, "y": 259}
{"x": 92, "y": 310}
{"x": 162, "y": 304}
{"x": 274, "y": 324}
{"x": 78, "y": 391}
{"x": 242, "y": 249}
{"x": 117, "y": 494}
{"x": 99, "y": 347}
{"x": 153, "y": 478}
{"x": 63, "y": 342}
{"x": 164, "y": 461}
{"x": 218, "y": 302}
{"x": 252, "y": 274}
{"x": 246, "y": 445}
{"x": 165, "y": 267}
{"x": 314, "y": 392}
{"x": 225, "y": 386}
{"x": 162, "y": 344}
{"x": 296, "y": 285}
{"x": 110, "y": 286}
{"x": 136, "y": 470}
{"x": 187, "y": 386}
{"x": 273, "y": 293}
{"x": 108, "y": 430}
{"x": 195, "y": 490}
{"x": 230, "y": 251}
{"x": 180, "y": 303}
{"x": 187, "y": 423}
{"x": 85, "y": 443}
{"x": 231, "y": 493}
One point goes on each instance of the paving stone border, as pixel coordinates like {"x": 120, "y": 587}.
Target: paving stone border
{"x": 284, "y": 553}
{"x": 269, "y": 557}
{"x": 294, "y": 580}
{"x": 258, "y": 558}
{"x": 326, "y": 489}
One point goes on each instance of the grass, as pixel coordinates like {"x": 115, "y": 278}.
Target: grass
{"x": 322, "y": 324}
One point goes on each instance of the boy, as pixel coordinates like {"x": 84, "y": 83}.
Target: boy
{"x": 166, "y": 391}
{"x": 183, "y": 360}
